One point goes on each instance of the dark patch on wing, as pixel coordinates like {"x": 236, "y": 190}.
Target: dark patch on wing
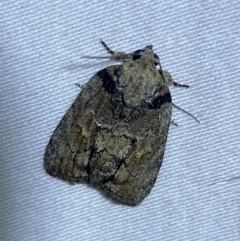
{"x": 158, "y": 101}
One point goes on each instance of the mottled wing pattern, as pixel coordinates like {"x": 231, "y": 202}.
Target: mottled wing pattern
{"x": 111, "y": 139}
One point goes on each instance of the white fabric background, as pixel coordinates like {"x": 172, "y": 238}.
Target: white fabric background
{"x": 41, "y": 48}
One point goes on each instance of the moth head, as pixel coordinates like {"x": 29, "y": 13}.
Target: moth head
{"x": 137, "y": 55}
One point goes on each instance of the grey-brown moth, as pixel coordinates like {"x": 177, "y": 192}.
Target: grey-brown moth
{"x": 114, "y": 135}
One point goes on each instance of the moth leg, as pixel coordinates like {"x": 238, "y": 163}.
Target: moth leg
{"x": 80, "y": 86}
{"x": 118, "y": 56}
{"x": 174, "y": 123}
{"x": 180, "y": 85}
{"x": 107, "y": 48}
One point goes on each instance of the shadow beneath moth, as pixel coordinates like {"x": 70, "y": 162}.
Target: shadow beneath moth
{"x": 114, "y": 135}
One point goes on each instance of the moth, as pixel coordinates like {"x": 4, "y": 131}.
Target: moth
{"x": 113, "y": 137}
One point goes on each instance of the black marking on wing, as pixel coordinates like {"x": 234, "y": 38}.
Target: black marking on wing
{"x": 108, "y": 79}
{"x": 158, "y": 101}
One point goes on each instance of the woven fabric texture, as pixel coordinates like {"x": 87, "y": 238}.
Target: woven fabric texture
{"x": 42, "y": 49}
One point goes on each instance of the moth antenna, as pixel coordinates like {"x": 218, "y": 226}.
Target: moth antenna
{"x": 186, "y": 112}
{"x": 161, "y": 71}
{"x": 228, "y": 180}
{"x": 95, "y": 57}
